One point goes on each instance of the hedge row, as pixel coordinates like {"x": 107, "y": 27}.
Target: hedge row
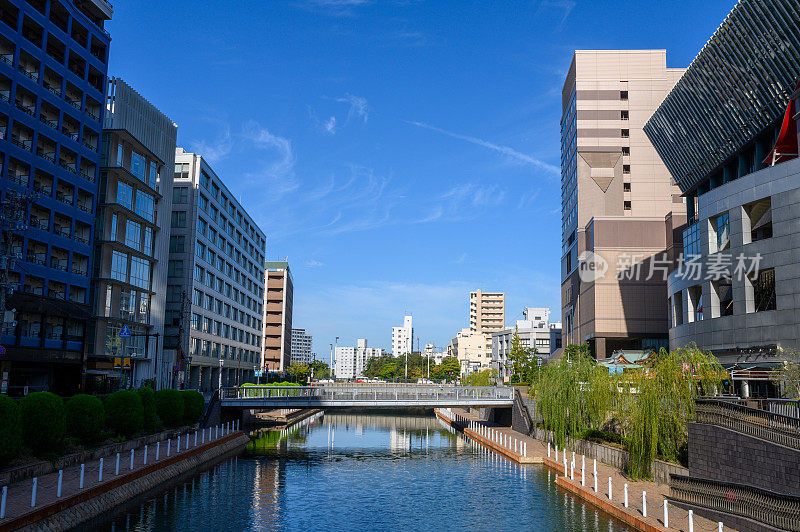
{"x": 40, "y": 420}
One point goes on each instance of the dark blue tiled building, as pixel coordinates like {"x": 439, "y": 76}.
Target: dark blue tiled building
{"x": 53, "y": 65}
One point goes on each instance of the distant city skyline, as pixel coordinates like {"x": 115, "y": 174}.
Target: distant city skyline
{"x": 375, "y": 159}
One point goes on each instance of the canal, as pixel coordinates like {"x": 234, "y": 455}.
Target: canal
{"x": 364, "y": 472}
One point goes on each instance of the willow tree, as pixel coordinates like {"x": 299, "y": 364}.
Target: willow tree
{"x": 662, "y": 402}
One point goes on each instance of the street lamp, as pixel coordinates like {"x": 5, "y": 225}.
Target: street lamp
{"x": 221, "y": 363}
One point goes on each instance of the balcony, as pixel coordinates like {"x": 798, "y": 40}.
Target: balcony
{"x": 39, "y": 223}
{"x": 49, "y": 121}
{"x": 25, "y": 144}
{"x": 78, "y": 269}
{"x": 87, "y": 176}
{"x": 58, "y": 264}
{"x": 44, "y": 190}
{"x": 85, "y": 207}
{"x": 64, "y": 197}
{"x": 56, "y": 294}
{"x": 37, "y": 258}
{"x": 61, "y": 230}
{"x": 32, "y": 74}
{"x": 7, "y": 58}
{"x": 26, "y": 108}
{"x": 74, "y": 103}
{"x": 47, "y": 155}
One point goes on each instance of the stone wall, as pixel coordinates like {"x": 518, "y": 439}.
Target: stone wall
{"x": 718, "y": 453}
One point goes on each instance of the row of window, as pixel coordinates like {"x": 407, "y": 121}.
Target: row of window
{"x": 133, "y": 305}
{"x": 225, "y": 352}
{"x": 223, "y": 330}
{"x": 144, "y": 169}
{"x": 134, "y": 235}
{"x": 137, "y": 201}
{"x": 206, "y": 254}
{"x": 32, "y": 325}
{"x": 207, "y": 301}
{"x": 129, "y": 269}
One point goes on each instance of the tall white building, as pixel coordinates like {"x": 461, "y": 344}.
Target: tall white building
{"x": 301, "y": 346}
{"x": 403, "y": 338}
{"x": 351, "y": 361}
{"x": 535, "y": 331}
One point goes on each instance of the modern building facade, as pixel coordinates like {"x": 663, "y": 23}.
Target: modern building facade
{"x": 470, "y": 349}
{"x": 619, "y": 206}
{"x": 278, "y": 294}
{"x": 215, "y": 281}
{"x": 131, "y": 242}
{"x": 350, "y": 362}
{"x": 535, "y": 332}
{"x": 487, "y": 314}
{"x": 403, "y": 338}
{"x": 302, "y": 344}
{"x": 52, "y": 82}
{"x": 735, "y": 160}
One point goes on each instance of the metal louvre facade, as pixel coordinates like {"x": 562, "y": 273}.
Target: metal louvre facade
{"x": 735, "y": 88}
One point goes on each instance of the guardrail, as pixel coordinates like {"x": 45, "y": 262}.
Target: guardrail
{"x": 767, "y": 507}
{"x": 784, "y": 430}
{"x": 368, "y": 394}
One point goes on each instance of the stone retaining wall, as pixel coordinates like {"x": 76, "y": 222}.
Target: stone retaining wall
{"x": 79, "y": 509}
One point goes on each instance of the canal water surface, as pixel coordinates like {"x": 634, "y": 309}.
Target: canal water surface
{"x": 364, "y": 472}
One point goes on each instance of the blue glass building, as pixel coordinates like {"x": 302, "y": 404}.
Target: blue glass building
{"x": 53, "y": 66}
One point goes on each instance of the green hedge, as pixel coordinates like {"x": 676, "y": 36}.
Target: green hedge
{"x": 147, "y": 395}
{"x": 601, "y": 436}
{"x": 169, "y": 407}
{"x": 10, "y": 429}
{"x": 43, "y": 421}
{"x": 193, "y": 405}
{"x": 86, "y": 417}
{"x": 125, "y": 412}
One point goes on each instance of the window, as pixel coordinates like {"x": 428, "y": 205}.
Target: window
{"x": 695, "y": 303}
{"x": 623, "y": 95}
{"x": 195, "y": 321}
{"x": 626, "y": 133}
{"x": 180, "y": 195}
{"x": 148, "y": 240}
{"x": 200, "y": 250}
{"x": 764, "y": 290}
{"x": 140, "y": 272}
{"x": 202, "y": 225}
{"x": 626, "y": 187}
{"x": 626, "y": 169}
{"x": 205, "y": 181}
{"x": 174, "y": 293}
{"x": 113, "y": 235}
{"x": 725, "y": 296}
{"x": 144, "y": 306}
{"x": 119, "y": 154}
{"x": 203, "y": 203}
{"x": 691, "y": 242}
{"x": 626, "y": 150}
{"x": 181, "y": 170}
{"x": 177, "y": 244}
{"x": 623, "y": 115}
{"x": 119, "y": 266}
{"x": 175, "y": 268}
{"x": 133, "y": 235}
{"x": 144, "y": 205}
{"x": 199, "y": 274}
{"x": 758, "y": 216}
{"x": 125, "y": 195}
{"x": 138, "y": 164}
{"x": 178, "y": 219}
{"x": 626, "y": 205}
{"x": 720, "y": 230}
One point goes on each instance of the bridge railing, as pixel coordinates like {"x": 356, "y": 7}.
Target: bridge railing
{"x": 784, "y": 430}
{"x": 775, "y": 509}
{"x": 376, "y": 393}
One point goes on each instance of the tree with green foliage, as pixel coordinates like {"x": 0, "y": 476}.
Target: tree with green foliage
{"x": 10, "y": 429}
{"x": 125, "y": 412}
{"x": 448, "y": 370}
{"x": 389, "y": 371}
{"x": 320, "y": 370}
{"x": 486, "y": 377}
{"x": 86, "y": 417}
{"x": 299, "y": 372}
{"x": 43, "y": 421}
{"x": 193, "y": 405}
{"x": 787, "y": 376}
{"x": 169, "y": 406}
{"x": 523, "y": 361}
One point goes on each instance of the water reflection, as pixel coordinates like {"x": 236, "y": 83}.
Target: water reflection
{"x": 364, "y": 472}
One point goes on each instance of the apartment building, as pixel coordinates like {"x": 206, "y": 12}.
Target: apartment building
{"x": 215, "y": 281}
{"x": 535, "y": 332}
{"x": 278, "y": 290}
{"x": 735, "y": 160}
{"x": 131, "y": 242}
{"x": 302, "y": 344}
{"x": 53, "y": 64}
{"x": 470, "y": 348}
{"x": 620, "y": 209}
{"x": 403, "y": 338}
{"x": 350, "y": 362}
{"x": 487, "y": 314}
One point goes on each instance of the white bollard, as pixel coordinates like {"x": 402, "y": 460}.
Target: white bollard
{"x": 195, "y": 438}
{"x": 100, "y": 473}
{"x": 565, "y": 464}
{"x": 179, "y": 444}
{"x": 3, "y": 502}
{"x": 625, "y": 491}
{"x": 609, "y": 489}
{"x": 237, "y": 424}
{"x": 595, "y": 467}
{"x": 548, "y": 449}
{"x": 203, "y": 437}
{"x": 691, "y": 521}
{"x": 116, "y": 470}
{"x": 158, "y": 450}
{"x": 644, "y": 504}
{"x": 526, "y": 449}
{"x": 131, "y": 459}
{"x": 216, "y": 432}
{"x": 583, "y": 473}
{"x": 169, "y": 446}
{"x": 33, "y": 491}
{"x": 595, "y": 483}
{"x": 80, "y": 482}
{"x": 573, "y": 458}
{"x": 58, "y": 487}
{"x": 145, "y": 455}
{"x": 556, "y": 453}
{"x": 719, "y": 526}
{"x": 666, "y": 514}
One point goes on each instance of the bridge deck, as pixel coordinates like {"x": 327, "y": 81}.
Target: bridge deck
{"x": 366, "y": 396}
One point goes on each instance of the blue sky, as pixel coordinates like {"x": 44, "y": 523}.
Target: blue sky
{"x": 400, "y": 153}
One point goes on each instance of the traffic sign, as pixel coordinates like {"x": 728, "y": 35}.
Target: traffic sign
{"x": 2, "y": 350}
{"x": 124, "y": 332}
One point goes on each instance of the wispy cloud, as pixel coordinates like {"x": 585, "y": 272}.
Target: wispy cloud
{"x": 505, "y": 150}
{"x": 276, "y": 173}
{"x": 358, "y": 107}
{"x": 566, "y": 6}
{"x": 330, "y": 125}
{"x": 313, "y": 264}
{"x": 217, "y": 149}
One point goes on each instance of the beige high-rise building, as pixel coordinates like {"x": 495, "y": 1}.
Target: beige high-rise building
{"x": 278, "y": 298}
{"x": 620, "y": 206}
{"x": 487, "y": 314}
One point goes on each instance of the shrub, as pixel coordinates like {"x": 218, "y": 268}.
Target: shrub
{"x": 601, "y": 436}
{"x": 147, "y": 395}
{"x": 125, "y": 412}
{"x": 10, "y": 429}
{"x": 193, "y": 405}
{"x": 86, "y": 417}
{"x": 43, "y": 421}
{"x": 169, "y": 407}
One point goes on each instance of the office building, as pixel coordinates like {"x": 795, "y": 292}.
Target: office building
{"x": 302, "y": 344}
{"x": 215, "y": 281}
{"x": 403, "y": 338}
{"x": 350, "y": 362}
{"x": 278, "y": 293}
{"x": 470, "y": 348}
{"x": 131, "y": 242}
{"x": 535, "y": 332}
{"x": 619, "y": 207}
{"x": 728, "y": 134}
{"x": 52, "y": 82}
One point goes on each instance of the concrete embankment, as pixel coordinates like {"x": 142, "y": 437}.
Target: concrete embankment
{"x": 78, "y": 506}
